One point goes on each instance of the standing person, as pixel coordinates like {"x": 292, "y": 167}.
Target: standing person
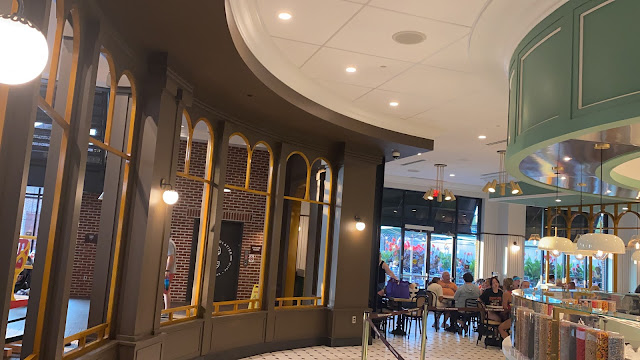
{"x": 493, "y": 297}
{"x": 383, "y": 270}
{"x": 465, "y": 292}
{"x": 169, "y": 272}
{"x": 449, "y": 288}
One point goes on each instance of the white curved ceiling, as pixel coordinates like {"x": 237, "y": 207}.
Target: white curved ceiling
{"x": 452, "y": 87}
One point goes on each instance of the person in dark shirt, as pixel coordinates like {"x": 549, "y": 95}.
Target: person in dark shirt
{"x": 493, "y": 297}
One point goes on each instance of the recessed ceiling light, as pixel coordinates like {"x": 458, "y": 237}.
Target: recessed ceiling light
{"x": 452, "y": 175}
{"x": 395, "y": 211}
{"x": 482, "y": 137}
{"x": 419, "y": 154}
{"x": 566, "y": 158}
{"x": 414, "y": 210}
{"x": 351, "y": 69}
{"x": 558, "y": 200}
{"x": 284, "y": 16}
{"x": 394, "y": 104}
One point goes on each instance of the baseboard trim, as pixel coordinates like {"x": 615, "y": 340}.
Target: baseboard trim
{"x": 345, "y": 342}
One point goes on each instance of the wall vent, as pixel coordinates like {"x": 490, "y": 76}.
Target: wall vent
{"x": 413, "y": 162}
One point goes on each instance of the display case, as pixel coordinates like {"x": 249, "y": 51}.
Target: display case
{"x": 574, "y": 324}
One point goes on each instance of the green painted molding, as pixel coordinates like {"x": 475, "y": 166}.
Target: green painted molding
{"x": 584, "y": 97}
{"x": 612, "y": 177}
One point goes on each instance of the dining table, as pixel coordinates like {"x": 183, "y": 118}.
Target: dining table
{"x": 399, "y": 330}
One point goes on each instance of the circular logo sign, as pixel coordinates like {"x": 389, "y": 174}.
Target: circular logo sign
{"x": 225, "y": 258}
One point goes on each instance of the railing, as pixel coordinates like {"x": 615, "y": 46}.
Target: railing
{"x": 191, "y": 311}
{"x": 252, "y": 305}
{"x": 367, "y": 325}
{"x": 87, "y": 340}
{"x": 299, "y": 302}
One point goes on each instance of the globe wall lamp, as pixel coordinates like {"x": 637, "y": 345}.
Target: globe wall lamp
{"x": 169, "y": 196}
{"x": 360, "y": 225}
{"x": 26, "y": 51}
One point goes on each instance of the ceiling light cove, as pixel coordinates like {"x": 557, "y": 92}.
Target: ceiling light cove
{"x": 284, "y": 16}
{"x": 351, "y": 69}
{"x": 394, "y": 104}
{"x": 452, "y": 175}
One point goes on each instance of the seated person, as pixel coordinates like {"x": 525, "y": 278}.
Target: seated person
{"x": 436, "y": 288}
{"x": 465, "y": 292}
{"x": 525, "y": 285}
{"x": 516, "y": 282}
{"x": 571, "y": 285}
{"x": 506, "y": 305}
{"x": 449, "y": 288}
{"x": 493, "y": 297}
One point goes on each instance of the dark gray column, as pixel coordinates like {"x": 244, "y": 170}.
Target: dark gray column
{"x": 220, "y": 157}
{"x": 149, "y": 219}
{"x": 350, "y": 261}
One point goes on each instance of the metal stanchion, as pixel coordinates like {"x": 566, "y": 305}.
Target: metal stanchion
{"x": 423, "y": 343}
{"x": 365, "y": 334}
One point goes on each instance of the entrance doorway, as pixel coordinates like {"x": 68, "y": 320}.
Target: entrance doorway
{"x": 415, "y": 253}
{"x": 228, "y": 266}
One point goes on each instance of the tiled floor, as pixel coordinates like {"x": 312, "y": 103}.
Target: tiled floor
{"x": 440, "y": 346}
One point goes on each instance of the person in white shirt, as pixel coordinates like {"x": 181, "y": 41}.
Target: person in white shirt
{"x": 436, "y": 288}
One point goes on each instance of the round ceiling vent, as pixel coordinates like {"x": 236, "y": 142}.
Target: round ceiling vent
{"x": 409, "y": 37}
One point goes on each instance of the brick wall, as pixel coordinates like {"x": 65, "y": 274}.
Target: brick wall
{"x": 84, "y": 257}
{"x": 248, "y": 208}
{"x": 240, "y": 206}
{"x": 185, "y": 211}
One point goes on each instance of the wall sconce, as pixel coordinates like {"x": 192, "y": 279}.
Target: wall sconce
{"x": 515, "y": 247}
{"x": 360, "y": 225}
{"x": 169, "y": 195}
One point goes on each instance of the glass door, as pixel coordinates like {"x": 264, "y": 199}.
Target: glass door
{"x": 441, "y": 254}
{"x": 414, "y": 264}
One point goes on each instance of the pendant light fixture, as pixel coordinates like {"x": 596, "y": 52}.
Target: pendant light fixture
{"x": 580, "y": 254}
{"x": 439, "y": 192}
{"x": 556, "y": 245}
{"x": 502, "y": 181}
{"x": 636, "y": 257}
{"x": 534, "y": 238}
{"x": 601, "y": 244}
{"x": 26, "y": 51}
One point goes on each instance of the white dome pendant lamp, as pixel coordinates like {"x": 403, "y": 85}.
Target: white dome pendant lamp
{"x": 556, "y": 245}
{"x": 26, "y": 51}
{"x": 597, "y": 242}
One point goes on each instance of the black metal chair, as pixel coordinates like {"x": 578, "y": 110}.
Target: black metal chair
{"x": 470, "y": 318}
{"x": 432, "y": 305}
{"x": 488, "y": 328}
{"x": 416, "y": 314}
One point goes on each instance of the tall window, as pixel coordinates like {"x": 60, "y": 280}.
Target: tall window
{"x": 241, "y": 255}
{"x": 420, "y": 239}
{"x": 189, "y": 222}
{"x": 305, "y": 232}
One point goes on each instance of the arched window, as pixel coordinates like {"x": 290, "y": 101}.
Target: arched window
{"x": 189, "y": 222}
{"x": 302, "y": 269}
{"x": 241, "y": 254}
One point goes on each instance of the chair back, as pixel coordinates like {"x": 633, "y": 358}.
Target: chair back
{"x": 432, "y": 299}
{"x": 471, "y": 303}
{"x": 483, "y": 312}
{"x": 420, "y": 301}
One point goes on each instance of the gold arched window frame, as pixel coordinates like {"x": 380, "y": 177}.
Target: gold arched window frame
{"x": 62, "y": 119}
{"x": 253, "y": 304}
{"x": 592, "y": 215}
{"x": 316, "y": 301}
{"x": 93, "y": 337}
{"x": 191, "y": 311}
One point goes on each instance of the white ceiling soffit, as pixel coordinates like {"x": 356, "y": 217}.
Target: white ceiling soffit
{"x": 451, "y": 87}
